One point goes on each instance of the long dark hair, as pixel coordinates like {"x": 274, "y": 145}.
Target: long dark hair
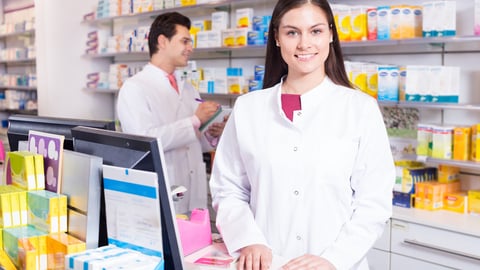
{"x": 165, "y": 24}
{"x": 275, "y": 66}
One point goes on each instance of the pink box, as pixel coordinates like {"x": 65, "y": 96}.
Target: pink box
{"x": 195, "y": 233}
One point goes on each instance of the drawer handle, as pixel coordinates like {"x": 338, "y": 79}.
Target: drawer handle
{"x": 430, "y": 246}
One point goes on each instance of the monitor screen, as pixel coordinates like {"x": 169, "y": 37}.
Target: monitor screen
{"x": 19, "y": 125}
{"x": 135, "y": 152}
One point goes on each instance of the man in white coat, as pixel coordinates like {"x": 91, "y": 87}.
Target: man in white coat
{"x": 152, "y": 103}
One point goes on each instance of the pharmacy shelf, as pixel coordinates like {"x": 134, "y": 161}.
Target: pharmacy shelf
{"x": 187, "y": 10}
{"x": 242, "y": 52}
{"x": 410, "y": 41}
{"x": 428, "y": 45}
{"x": 431, "y": 45}
{"x": 16, "y": 87}
{"x": 466, "y": 164}
{"x": 431, "y": 105}
{"x": 101, "y": 90}
{"x": 29, "y": 112}
{"x": 19, "y": 61}
{"x": 23, "y": 33}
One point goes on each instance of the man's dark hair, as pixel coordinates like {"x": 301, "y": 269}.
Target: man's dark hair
{"x": 165, "y": 24}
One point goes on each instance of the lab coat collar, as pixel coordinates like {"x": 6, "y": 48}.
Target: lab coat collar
{"x": 310, "y": 98}
{"x": 164, "y": 75}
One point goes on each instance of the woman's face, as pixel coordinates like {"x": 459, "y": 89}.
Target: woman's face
{"x": 304, "y": 38}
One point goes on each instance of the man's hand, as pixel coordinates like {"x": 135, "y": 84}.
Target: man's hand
{"x": 205, "y": 110}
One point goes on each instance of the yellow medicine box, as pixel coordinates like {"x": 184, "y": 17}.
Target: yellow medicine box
{"x": 456, "y": 202}
{"x": 461, "y": 142}
{"x": 474, "y": 202}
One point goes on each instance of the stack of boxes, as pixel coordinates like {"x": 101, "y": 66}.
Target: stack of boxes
{"x": 448, "y": 142}
{"x": 33, "y": 226}
{"x": 432, "y": 188}
{"x": 430, "y": 19}
{"x": 440, "y": 84}
{"x": 33, "y": 220}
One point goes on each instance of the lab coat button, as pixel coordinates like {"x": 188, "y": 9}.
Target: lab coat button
{"x": 191, "y": 172}
{"x": 295, "y": 148}
{"x": 299, "y": 113}
{"x": 299, "y": 237}
{"x": 296, "y": 192}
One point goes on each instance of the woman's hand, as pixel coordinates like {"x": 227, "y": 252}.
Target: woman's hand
{"x": 255, "y": 257}
{"x": 309, "y": 262}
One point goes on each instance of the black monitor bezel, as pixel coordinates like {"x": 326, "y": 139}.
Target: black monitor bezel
{"x": 173, "y": 255}
{"x": 20, "y": 124}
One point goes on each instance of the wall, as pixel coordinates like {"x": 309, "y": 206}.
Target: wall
{"x": 61, "y": 69}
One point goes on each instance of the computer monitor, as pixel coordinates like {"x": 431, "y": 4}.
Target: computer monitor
{"x": 135, "y": 152}
{"x": 19, "y": 125}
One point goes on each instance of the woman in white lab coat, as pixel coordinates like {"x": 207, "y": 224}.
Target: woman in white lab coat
{"x": 303, "y": 169}
{"x": 149, "y": 105}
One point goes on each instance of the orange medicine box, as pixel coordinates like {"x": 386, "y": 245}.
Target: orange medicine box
{"x": 429, "y": 195}
{"x": 461, "y": 142}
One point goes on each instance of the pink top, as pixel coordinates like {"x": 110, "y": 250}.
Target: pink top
{"x": 291, "y": 103}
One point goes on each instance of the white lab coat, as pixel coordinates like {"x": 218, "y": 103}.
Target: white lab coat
{"x": 148, "y": 105}
{"x": 321, "y": 184}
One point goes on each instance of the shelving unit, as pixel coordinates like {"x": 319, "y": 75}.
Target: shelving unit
{"x": 194, "y": 9}
{"x": 17, "y": 66}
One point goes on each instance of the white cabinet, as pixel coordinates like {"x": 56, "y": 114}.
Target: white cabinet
{"x": 421, "y": 239}
{"x": 400, "y": 262}
{"x": 441, "y": 238}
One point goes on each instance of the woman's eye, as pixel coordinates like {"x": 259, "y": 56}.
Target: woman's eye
{"x": 317, "y": 31}
{"x": 291, "y": 33}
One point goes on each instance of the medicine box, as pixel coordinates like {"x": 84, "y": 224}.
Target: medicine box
{"x": 403, "y": 199}
{"x": 461, "y": 143}
{"x": 388, "y": 78}
{"x": 372, "y": 23}
{"x": 456, "y": 202}
{"x": 474, "y": 202}
{"x": 448, "y": 174}
{"x": 22, "y": 165}
{"x": 442, "y": 142}
{"x": 383, "y": 22}
{"x": 59, "y": 245}
{"x": 220, "y": 20}
{"x": 358, "y": 19}
{"x": 43, "y": 210}
{"x": 475, "y": 148}
{"x": 244, "y": 18}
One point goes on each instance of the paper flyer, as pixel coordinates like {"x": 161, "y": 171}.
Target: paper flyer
{"x": 133, "y": 209}
{"x": 50, "y": 146}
